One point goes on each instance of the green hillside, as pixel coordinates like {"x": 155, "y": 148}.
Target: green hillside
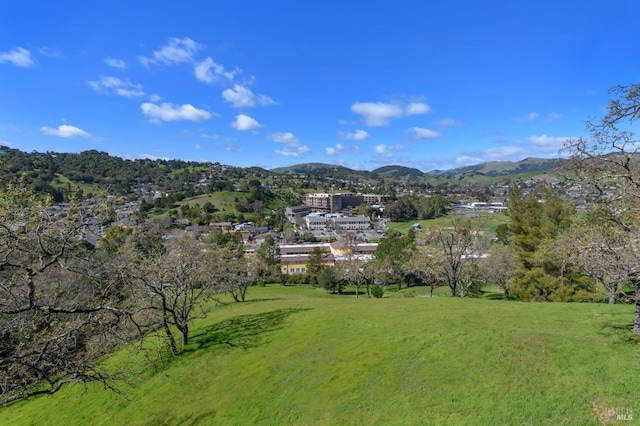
{"x": 295, "y": 355}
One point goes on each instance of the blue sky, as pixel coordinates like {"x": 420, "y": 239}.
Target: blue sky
{"x": 425, "y": 84}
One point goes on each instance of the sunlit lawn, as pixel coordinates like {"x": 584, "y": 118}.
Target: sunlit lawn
{"x": 296, "y": 355}
{"x": 491, "y": 222}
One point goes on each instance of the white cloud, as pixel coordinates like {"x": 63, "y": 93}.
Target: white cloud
{"x": 290, "y": 140}
{"x": 448, "y": 122}
{"x": 387, "y": 150}
{"x": 341, "y": 149}
{"x": 532, "y": 116}
{"x": 19, "y": 57}
{"x": 380, "y": 114}
{"x": 416, "y": 108}
{"x": 155, "y": 98}
{"x": 544, "y": 143}
{"x": 115, "y": 85}
{"x": 286, "y": 138}
{"x": 358, "y": 135}
{"x": 116, "y": 63}
{"x": 176, "y": 51}
{"x": 244, "y": 122}
{"x": 170, "y": 112}
{"x": 293, "y": 152}
{"x": 208, "y": 71}
{"x": 422, "y": 134}
{"x": 243, "y": 97}
{"x": 65, "y": 131}
{"x": 532, "y": 146}
{"x": 377, "y": 113}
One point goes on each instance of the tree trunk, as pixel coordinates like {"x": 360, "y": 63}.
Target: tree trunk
{"x": 357, "y": 292}
{"x": 431, "y": 291}
{"x": 506, "y": 294}
{"x": 185, "y": 335}
{"x": 612, "y": 296}
{"x": 172, "y": 341}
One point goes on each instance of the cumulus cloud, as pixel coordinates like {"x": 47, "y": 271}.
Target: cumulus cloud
{"x": 244, "y": 122}
{"x": 416, "y": 108}
{"x": 208, "y": 71}
{"x": 341, "y": 149}
{"x": 242, "y": 97}
{"x": 18, "y": 57}
{"x": 176, "y": 51}
{"x": 286, "y": 138}
{"x": 117, "y": 86}
{"x": 377, "y": 114}
{"x": 532, "y": 116}
{"x": 170, "y": 112}
{"x": 65, "y": 131}
{"x": 116, "y": 63}
{"x": 289, "y": 139}
{"x": 422, "y": 134}
{"x": 544, "y": 143}
{"x": 387, "y": 150}
{"x": 358, "y": 135}
{"x": 295, "y": 152}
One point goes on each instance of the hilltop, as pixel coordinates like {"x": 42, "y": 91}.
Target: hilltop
{"x": 296, "y": 355}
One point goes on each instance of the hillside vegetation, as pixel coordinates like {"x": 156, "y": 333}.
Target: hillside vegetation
{"x": 296, "y": 355}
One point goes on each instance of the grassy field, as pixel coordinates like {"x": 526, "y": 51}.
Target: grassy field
{"x": 296, "y": 355}
{"x": 492, "y": 221}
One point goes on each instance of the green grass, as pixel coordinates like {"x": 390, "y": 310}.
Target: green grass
{"x": 493, "y": 220}
{"x": 295, "y": 355}
{"x": 224, "y": 201}
{"x": 63, "y": 182}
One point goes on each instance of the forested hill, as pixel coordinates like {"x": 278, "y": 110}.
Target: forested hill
{"x": 56, "y": 173}
{"x": 61, "y": 174}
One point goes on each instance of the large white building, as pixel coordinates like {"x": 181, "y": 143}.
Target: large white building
{"x": 320, "y": 221}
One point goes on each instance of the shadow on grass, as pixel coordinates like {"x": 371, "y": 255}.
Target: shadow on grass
{"x": 244, "y": 332}
{"x": 622, "y": 330}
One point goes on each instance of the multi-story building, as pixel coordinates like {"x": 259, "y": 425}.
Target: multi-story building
{"x": 295, "y": 257}
{"x": 335, "y": 202}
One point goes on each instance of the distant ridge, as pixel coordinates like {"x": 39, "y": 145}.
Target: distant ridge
{"x": 487, "y": 169}
{"x": 398, "y": 172}
{"x": 502, "y": 168}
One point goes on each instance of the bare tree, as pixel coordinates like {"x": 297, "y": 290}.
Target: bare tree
{"x": 602, "y": 250}
{"x": 235, "y": 274}
{"x": 460, "y": 246}
{"x": 607, "y": 163}
{"x": 172, "y": 284}
{"x": 352, "y": 271}
{"x": 497, "y": 266}
{"x": 61, "y": 308}
{"x": 424, "y": 263}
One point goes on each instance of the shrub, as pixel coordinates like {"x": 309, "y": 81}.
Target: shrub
{"x": 377, "y": 291}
